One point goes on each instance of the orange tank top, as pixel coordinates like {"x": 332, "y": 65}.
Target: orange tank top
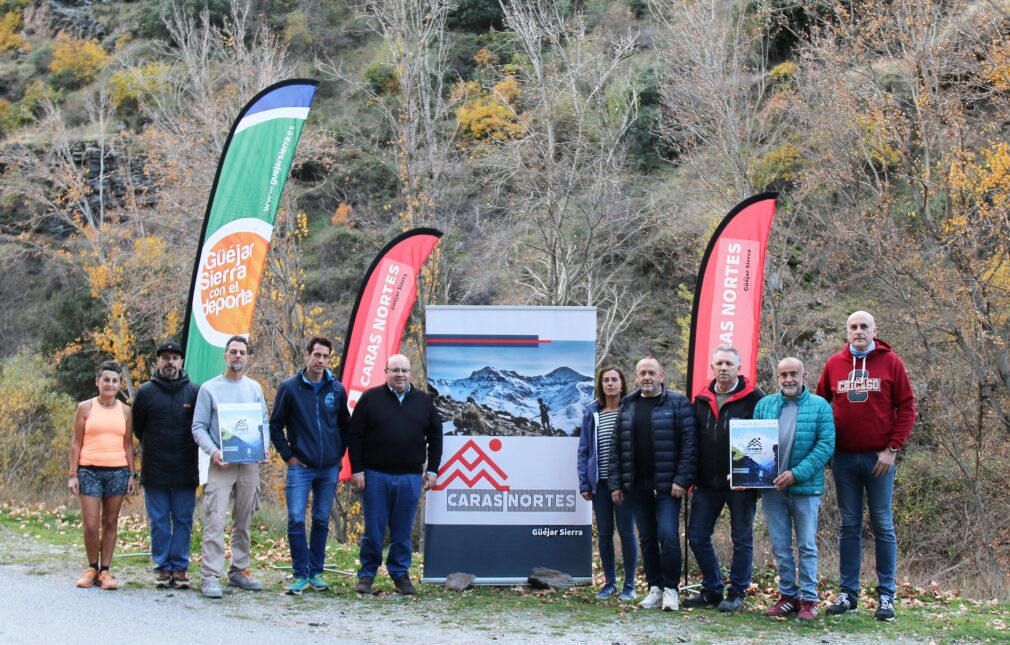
{"x": 104, "y": 430}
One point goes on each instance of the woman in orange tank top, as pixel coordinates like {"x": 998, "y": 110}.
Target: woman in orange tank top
{"x": 101, "y": 471}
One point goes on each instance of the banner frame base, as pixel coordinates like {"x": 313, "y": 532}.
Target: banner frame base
{"x": 502, "y": 581}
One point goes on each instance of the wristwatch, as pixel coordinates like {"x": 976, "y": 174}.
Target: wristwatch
{"x": 892, "y": 449}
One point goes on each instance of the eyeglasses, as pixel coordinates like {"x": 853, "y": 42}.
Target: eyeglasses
{"x": 398, "y": 370}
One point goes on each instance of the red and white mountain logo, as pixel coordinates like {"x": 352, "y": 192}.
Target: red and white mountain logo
{"x": 471, "y": 464}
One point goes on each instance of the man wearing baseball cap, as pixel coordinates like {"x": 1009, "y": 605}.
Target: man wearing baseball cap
{"x": 162, "y": 422}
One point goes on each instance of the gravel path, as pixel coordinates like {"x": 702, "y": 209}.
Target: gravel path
{"x": 41, "y": 604}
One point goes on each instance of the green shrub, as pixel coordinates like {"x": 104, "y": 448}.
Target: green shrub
{"x": 381, "y": 78}
{"x": 35, "y": 425}
{"x": 476, "y": 16}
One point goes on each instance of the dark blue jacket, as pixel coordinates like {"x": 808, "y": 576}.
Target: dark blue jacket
{"x": 316, "y": 422}
{"x": 674, "y": 443}
{"x": 587, "y": 465}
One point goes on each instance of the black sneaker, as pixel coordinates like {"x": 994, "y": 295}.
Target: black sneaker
{"x": 404, "y": 586}
{"x": 704, "y": 599}
{"x": 733, "y": 603}
{"x": 885, "y": 609}
{"x": 842, "y": 605}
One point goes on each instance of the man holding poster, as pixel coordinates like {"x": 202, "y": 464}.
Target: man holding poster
{"x": 653, "y": 461}
{"x": 806, "y": 442}
{"x": 232, "y": 395}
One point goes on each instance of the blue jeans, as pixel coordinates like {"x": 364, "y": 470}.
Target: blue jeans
{"x": 388, "y": 500}
{"x": 853, "y": 473}
{"x": 606, "y": 511}
{"x": 307, "y": 556}
{"x": 705, "y": 511}
{"x": 657, "y": 516}
{"x": 783, "y": 514}
{"x": 170, "y": 512}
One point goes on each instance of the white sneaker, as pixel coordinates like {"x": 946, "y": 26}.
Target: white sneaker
{"x": 652, "y": 599}
{"x": 671, "y": 601}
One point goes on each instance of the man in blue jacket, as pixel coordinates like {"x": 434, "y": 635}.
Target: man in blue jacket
{"x": 806, "y": 443}
{"x": 312, "y": 405}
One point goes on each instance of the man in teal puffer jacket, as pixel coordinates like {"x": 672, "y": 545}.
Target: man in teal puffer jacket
{"x": 806, "y": 443}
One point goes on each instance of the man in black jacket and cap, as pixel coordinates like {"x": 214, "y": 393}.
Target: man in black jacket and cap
{"x": 162, "y": 422}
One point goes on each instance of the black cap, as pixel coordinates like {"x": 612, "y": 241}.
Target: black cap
{"x": 169, "y": 347}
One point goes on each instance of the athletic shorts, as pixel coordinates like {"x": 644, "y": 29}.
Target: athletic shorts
{"x": 95, "y": 481}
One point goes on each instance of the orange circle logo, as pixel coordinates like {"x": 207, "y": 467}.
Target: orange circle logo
{"x": 230, "y": 273}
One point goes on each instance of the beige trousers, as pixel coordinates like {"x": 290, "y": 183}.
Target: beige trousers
{"x": 240, "y": 482}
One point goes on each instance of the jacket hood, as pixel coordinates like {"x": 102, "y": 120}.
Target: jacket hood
{"x": 168, "y": 385}
{"x": 882, "y": 346}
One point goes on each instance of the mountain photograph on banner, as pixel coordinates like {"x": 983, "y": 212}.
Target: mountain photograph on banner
{"x": 510, "y": 386}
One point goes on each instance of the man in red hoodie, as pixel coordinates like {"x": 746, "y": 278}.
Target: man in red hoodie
{"x": 874, "y": 410}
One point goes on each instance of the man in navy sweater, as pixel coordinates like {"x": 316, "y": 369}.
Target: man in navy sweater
{"x": 312, "y": 405}
{"x": 395, "y": 429}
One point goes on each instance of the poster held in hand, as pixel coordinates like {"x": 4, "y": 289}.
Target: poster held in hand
{"x": 753, "y": 452}
{"x": 241, "y": 432}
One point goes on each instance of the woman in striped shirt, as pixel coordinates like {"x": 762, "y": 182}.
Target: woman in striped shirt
{"x": 594, "y": 456}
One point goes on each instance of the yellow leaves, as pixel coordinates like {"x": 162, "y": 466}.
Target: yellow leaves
{"x": 134, "y": 83}
{"x": 485, "y": 58}
{"x": 10, "y": 39}
{"x": 783, "y": 71}
{"x": 81, "y": 59}
{"x": 488, "y": 116}
{"x": 996, "y": 69}
{"x": 341, "y": 214}
{"x": 980, "y": 184}
{"x": 780, "y": 164}
{"x": 874, "y": 135}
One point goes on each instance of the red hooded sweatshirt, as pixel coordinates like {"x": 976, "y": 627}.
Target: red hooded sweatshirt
{"x": 871, "y": 397}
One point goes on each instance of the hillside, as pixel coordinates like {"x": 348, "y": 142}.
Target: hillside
{"x": 574, "y": 153}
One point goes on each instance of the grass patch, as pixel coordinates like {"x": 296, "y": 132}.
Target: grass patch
{"x": 926, "y": 614}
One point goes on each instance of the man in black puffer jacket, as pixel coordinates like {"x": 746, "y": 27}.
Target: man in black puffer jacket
{"x": 653, "y": 459}
{"x": 162, "y": 422}
{"x": 728, "y": 396}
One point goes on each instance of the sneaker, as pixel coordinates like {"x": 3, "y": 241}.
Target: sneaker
{"x": 297, "y": 587}
{"x": 181, "y": 579}
{"x": 732, "y": 603}
{"x": 404, "y": 586}
{"x": 607, "y": 591}
{"x": 784, "y": 606}
{"x": 244, "y": 580}
{"x": 88, "y": 578}
{"x": 704, "y": 599}
{"x": 653, "y": 599}
{"x": 885, "y": 609}
{"x": 364, "y": 584}
{"x": 809, "y": 610}
{"x": 318, "y": 583}
{"x": 671, "y": 601}
{"x": 843, "y": 604}
{"x": 162, "y": 579}
{"x": 211, "y": 588}
{"x": 107, "y": 581}
{"x": 628, "y": 593}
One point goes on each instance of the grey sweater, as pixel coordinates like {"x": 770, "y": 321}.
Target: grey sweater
{"x": 222, "y": 390}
